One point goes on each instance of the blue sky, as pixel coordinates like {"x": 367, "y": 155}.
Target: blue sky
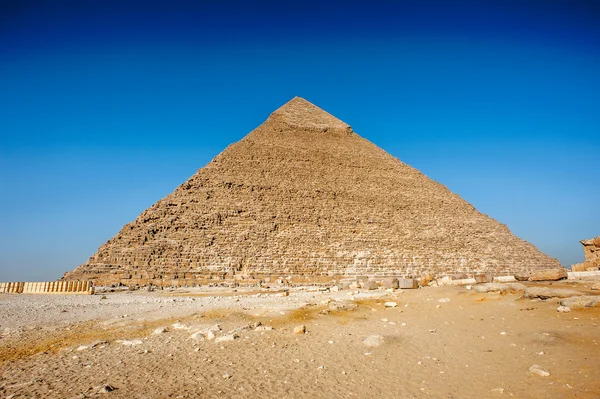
{"x": 106, "y": 107}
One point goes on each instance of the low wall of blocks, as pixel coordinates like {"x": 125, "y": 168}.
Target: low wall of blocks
{"x": 48, "y": 287}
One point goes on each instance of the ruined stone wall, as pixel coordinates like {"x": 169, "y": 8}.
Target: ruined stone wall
{"x": 307, "y": 201}
{"x": 591, "y": 252}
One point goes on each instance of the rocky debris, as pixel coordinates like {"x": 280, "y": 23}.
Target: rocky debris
{"x": 545, "y": 292}
{"x": 263, "y": 328}
{"x": 192, "y": 236}
{"x": 373, "y": 340}
{"x": 390, "y": 282}
{"x": 390, "y": 304}
{"x": 160, "y": 330}
{"x": 180, "y": 326}
{"x": 444, "y": 300}
{"x": 522, "y": 276}
{"x": 370, "y": 285}
{"x": 301, "y": 329}
{"x": 336, "y": 306}
{"x": 408, "y": 283}
{"x": 499, "y": 287}
{"x": 207, "y": 331}
{"x": 549, "y": 275}
{"x": 426, "y": 279}
{"x": 483, "y": 278}
{"x": 226, "y": 338}
{"x": 579, "y": 302}
{"x": 539, "y": 370}
{"x": 563, "y": 309}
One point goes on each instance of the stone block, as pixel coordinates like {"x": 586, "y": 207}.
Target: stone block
{"x": 408, "y": 283}
{"x": 549, "y": 275}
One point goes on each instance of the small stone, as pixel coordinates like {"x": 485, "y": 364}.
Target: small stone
{"x": 160, "y": 330}
{"x": 180, "y": 326}
{"x": 263, "y": 328}
{"x": 563, "y": 309}
{"x": 373, "y": 340}
{"x": 390, "y": 304}
{"x": 224, "y": 338}
{"x": 82, "y": 348}
{"x": 130, "y": 342}
{"x": 539, "y": 370}
{"x": 301, "y": 329}
{"x": 106, "y": 389}
{"x": 444, "y": 300}
{"x": 227, "y": 376}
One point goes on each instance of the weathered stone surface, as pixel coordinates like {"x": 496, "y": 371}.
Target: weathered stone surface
{"x": 579, "y": 302}
{"x": 591, "y": 251}
{"x": 545, "y": 293}
{"x": 370, "y": 285}
{"x": 499, "y": 287}
{"x": 373, "y": 340}
{"x": 408, "y": 283}
{"x": 425, "y": 280}
{"x": 522, "y": 276}
{"x": 390, "y": 282}
{"x": 303, "y": 198}
{"x": 549, "y": 275}
{"x": 563, "y": 309}
{"x": 483, "y": 278}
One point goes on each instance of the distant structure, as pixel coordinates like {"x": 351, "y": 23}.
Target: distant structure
{"x": 591, "y": 251}
{"x": 301, "y": 199}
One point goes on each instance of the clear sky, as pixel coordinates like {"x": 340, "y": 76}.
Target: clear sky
{"x": 107, "y": 106}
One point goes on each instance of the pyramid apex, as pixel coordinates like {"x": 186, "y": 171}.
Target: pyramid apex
{"x": 301, "y": 113}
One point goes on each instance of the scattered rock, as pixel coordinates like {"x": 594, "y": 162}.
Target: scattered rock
{"x": 549, "y": 275}
{"x": 545, "y": 292}
{"x": 263, "y": 328}
{"x": 563, "y": 309}
{"x": 586, "y": 301}
{"x": 180, "y": 326}
{"x": 425, "y": 280}
{"x": 373, "y": 340}
{"x": 160, "y": 330}
{"x": 229, "y": 337}
{"x": 301, "y": 329}
{"x": 444, "y": 300}
{"x": 390, "y": 304}
{"x": 370, "y": 285}
{"x": 539, "y": 370}
{"x": 341, "y": 305}
{"x": 335, "y": 288}
{"x": 106, "y": 389}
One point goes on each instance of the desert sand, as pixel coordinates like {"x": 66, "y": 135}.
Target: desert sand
{"x": 437, "y": 342}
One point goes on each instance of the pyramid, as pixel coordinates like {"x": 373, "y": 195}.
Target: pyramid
{"x": 303, "y": 198}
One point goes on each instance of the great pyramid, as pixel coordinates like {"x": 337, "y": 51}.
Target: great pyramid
{"x": 305, "y": 199}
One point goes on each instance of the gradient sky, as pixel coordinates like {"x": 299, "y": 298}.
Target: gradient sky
{"x": 107, "y": 106}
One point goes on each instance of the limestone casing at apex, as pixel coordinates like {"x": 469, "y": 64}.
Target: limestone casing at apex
{"x": 305, "y": 199}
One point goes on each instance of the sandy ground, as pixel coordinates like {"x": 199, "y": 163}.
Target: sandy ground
{"x": 439, "y": 342}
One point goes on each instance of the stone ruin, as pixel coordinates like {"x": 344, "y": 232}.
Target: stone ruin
{"x": 591, "y": 251}
{"x": 304, "y": 199}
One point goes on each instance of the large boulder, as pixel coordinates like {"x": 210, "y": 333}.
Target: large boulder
{"x": 549, "y": 275}
{"x": 499, "y": 287}
{"x": 545, "y": 293}
{"x": 522, "y": 276}
{"x": 483, "y": 278}
{"x": 578, "y": 302}
{"x": 390, "y": 282}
